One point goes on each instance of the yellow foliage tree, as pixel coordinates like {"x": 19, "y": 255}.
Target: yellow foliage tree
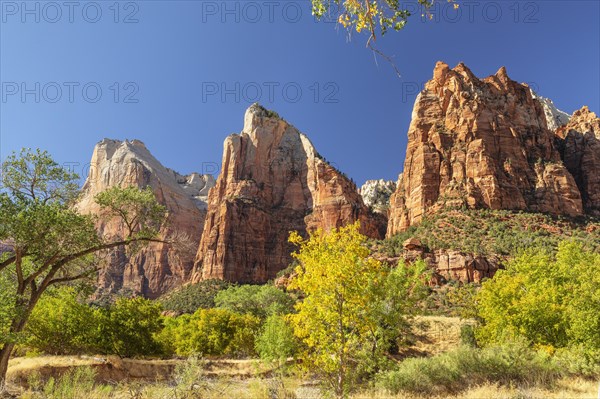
{"x": 347, "y": 303}
{"x": 370, "y": 15}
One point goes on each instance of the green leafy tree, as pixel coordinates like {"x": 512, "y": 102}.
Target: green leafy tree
{"x": 259, "y": 300}
{"x": 47, "y": 242}
{"x": 61, "y": 324}
{"x": 211, "y": 332}
{"x": 550, "y": 300}
{"x": 276, "y": 341}
{"x": 130, "y": 327}
{"x": 190, "y": 298}
{"x": 353, "y": 305}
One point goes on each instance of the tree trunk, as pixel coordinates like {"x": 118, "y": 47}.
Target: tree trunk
{"x": 4, "y": 357}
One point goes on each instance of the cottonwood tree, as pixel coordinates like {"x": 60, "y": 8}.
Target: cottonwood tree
{"x": 45, "y": 241}
{"x": 354, "y": 306}
{"x": 373, "y": 16}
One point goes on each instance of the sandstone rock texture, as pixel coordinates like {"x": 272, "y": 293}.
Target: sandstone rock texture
{"x": 157, "y": 268}
{"x": 376, "y": 194}
{"x": 579, "y": 141}
{"x": 447, "y": 264}
{"x": 272, "y": 182}
{"x": 480, "y": 143}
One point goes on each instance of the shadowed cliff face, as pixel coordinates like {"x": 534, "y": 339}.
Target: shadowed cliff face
{"x": 480, "y": 144}
{"x": 272, "y": 182}
{"x": 579, "y": 141}
{"x": 156, "y": 268}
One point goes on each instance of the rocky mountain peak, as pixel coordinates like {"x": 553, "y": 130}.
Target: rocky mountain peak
{"x": 258, "y": 117}
{"x": 157, "y": 268}
{"x": 272, "y": 182}
{"x": 555, "y": 118}
{"x": 480, "y": 143}
{"x": 579, "y": 143}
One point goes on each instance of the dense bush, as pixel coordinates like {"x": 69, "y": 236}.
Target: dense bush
{"x": 190, "y": 298}
{"x": 211, "y": 332}
{"x": 276, "y": 341}
{"x": 466, "y": 367}
{"x": 62, "y": 324}
{"x": 259, "y": 300}
{"x": 550, "y": 300}
{"x": 129, "y": 328}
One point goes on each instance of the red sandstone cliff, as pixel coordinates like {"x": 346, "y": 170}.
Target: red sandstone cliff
{"x": 480, "y": 144}
{"x": 157, "y": 268}
{"x": 272, "y": 182}
{"x": 579, "y": 141}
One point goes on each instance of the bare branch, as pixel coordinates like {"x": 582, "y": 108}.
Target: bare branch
{"x": 384, "y": 56}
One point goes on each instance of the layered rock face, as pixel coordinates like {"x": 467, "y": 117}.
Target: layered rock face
{"x": 451, "y": 265}
{"x": 272, "y": 182}
{"x": 480, "y": 144}
{"x": 157, "y": 268}
{"x": 579, "y": 141}
{"x": 376, "y": 194}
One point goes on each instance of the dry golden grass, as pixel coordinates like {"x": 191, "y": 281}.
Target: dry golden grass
{"x": 18, "y": 364}
{"x": 248, "y": 379}
{"x": 566, "y": 388}
{"x": 435, "y": 334}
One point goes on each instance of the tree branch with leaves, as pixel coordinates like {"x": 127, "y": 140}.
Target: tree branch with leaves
{"x": 46, "y": 241}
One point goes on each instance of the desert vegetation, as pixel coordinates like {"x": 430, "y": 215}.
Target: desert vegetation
{"x": 345, "y": 324}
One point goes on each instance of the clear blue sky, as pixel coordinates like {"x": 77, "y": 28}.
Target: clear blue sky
{"x": 173, "y": 56}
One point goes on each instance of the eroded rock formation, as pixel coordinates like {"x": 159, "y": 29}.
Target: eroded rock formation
{"x": 158, "y": 267}
{"x": 272, "y": 182}
{"x": 376, "y": 194}
{"x": 480, "y": 144}
{"x": 579, "y": 141}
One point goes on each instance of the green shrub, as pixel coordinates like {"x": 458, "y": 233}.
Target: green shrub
{"x": 493, "y": 232}
{"x": 192, "y": 297}
{"x": 466, "y": 367}
{"x": 212, "y": 332}
{"x": 276, "y": 341}
{"x": 467, "y": 335}
{"x": 579, "y": 360}
{"x": 549, "y": 299}
{"x": 61, "y": 324}
{"x": 190, "y": 378}
{"x": 129, "y": 328}
{"x": 258, "y": 300}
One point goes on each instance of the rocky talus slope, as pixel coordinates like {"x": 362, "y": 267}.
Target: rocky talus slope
{"x": 272, "y": 181}
{"x": 157, "y": 268}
